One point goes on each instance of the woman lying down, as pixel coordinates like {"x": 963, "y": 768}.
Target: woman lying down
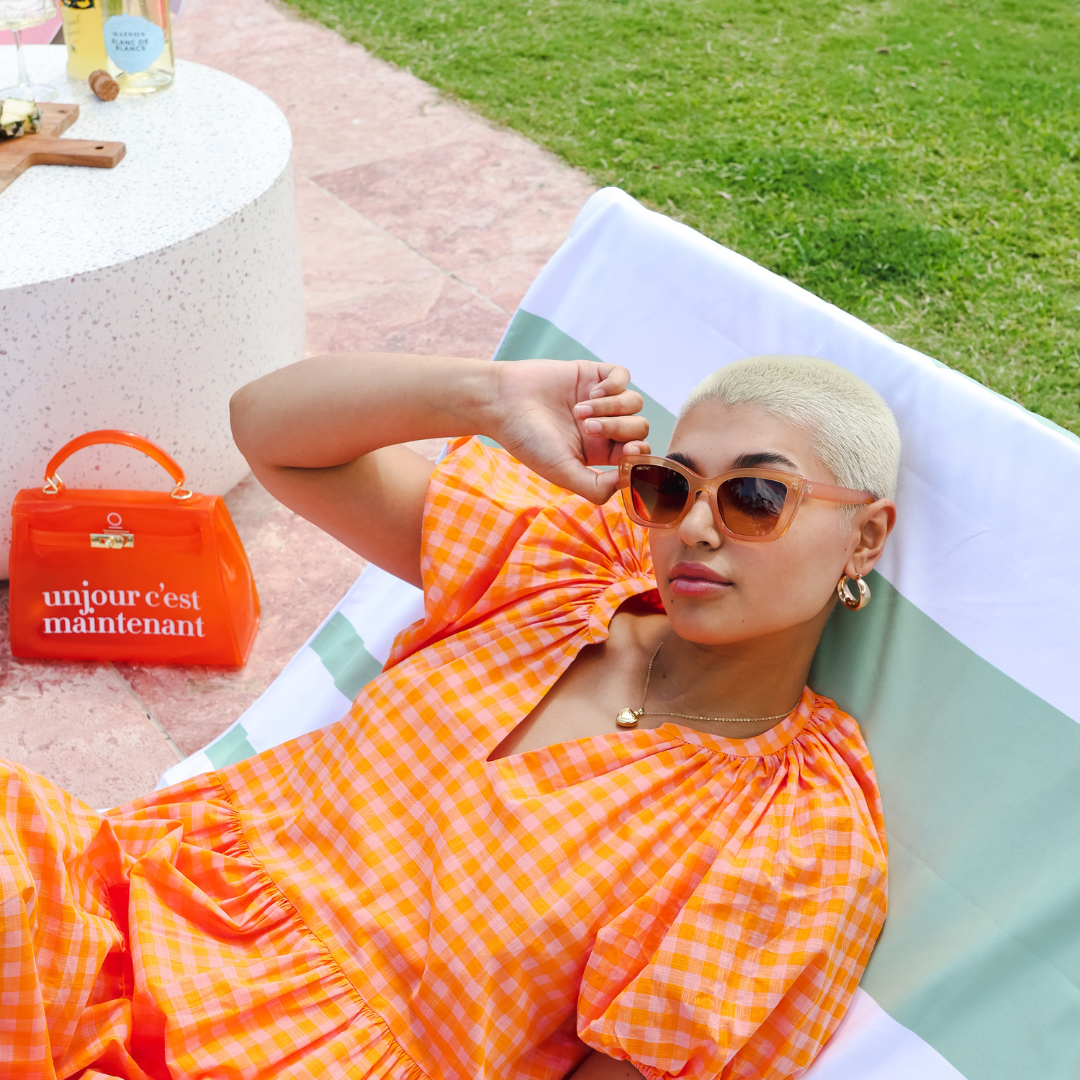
{"x": 589, "y": 822}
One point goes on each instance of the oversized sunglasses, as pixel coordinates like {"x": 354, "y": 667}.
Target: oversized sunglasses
{"x": 747, "y": 504}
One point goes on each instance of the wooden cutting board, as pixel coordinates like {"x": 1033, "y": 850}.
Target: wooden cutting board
{"x": 46, "y": 148}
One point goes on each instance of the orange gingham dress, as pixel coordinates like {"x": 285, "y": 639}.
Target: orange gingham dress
{"x": 378, "y": 900}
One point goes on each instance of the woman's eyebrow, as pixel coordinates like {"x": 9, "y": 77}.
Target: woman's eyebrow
{"x": 756, "y": 460}
{"x": 761, "y": 458}
{"x": 683, "y": 459}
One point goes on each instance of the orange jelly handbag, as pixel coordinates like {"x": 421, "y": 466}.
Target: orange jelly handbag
{"x": 158, "y": 577}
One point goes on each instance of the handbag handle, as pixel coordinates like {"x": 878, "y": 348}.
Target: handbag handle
{"x": 53, "y": 483}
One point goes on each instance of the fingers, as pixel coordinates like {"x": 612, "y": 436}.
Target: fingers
{"x": 597, "y": 487}
{"x": 619, "y": 449}
{"x": 614, "y": 380}
{"x": 618, "y": 429}
{"x": 607, "y": 483}
{"x": 605, "y": 421}
{"x": 621, "y": 404}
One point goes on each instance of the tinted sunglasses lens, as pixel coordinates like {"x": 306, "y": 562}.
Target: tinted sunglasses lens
{"x": 658, "y": 493}
{"x": 751, "y": 505}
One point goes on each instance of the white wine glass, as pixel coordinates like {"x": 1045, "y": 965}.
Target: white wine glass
{"x": 18, "y": 15}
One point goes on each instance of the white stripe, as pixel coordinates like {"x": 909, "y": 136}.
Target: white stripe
{"x": 989, "y": 496}
{"x": 378, "y": 606}
{"x": 302, "y": 698}
{"x": 870, "y": 1045}
{"x": 195, "y": 765}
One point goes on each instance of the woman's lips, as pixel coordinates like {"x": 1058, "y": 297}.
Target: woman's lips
{"x": 696, "y": 579}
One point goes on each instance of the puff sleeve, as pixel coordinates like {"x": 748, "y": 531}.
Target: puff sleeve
{"x": 742, "y": 960}
{"x": 500, "y": 542}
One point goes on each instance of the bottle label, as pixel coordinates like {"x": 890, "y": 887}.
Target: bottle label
{"x": 132, "y": 42}
{"x": 78, "y": 5}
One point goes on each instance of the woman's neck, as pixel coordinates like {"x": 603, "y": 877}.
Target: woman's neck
{"x": 761, "y": 678}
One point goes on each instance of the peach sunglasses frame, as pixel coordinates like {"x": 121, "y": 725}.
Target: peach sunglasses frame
{"x": 798, "y": 488}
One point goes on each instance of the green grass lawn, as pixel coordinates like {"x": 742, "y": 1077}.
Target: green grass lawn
{"x": 915, "y": 161}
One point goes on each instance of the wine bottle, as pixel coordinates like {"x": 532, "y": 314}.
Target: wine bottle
{"x": 82, "y": 35}
{"x": 138, "y": 44}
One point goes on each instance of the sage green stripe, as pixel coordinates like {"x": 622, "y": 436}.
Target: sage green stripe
{"x": 980, "y": 780}
{"x": 232, "y": 747}
{"x": 341, "y": 649}
{"x": 980, "y": 955}
{"x": 530, "y": 337}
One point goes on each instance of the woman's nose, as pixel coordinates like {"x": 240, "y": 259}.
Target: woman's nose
{"x": 699, "y": 525}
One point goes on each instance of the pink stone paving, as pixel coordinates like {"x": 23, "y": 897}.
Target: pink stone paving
{"x": 421, "y": 228}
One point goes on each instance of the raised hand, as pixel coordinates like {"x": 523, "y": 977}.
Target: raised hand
{"x": 559, "y": 417}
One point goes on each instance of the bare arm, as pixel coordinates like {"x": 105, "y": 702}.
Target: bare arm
{"x": 321, "y": 435}
{"x": 599, "y": 1066}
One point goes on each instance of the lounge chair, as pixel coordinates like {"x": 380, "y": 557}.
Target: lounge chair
{"x": 964, "y": 671}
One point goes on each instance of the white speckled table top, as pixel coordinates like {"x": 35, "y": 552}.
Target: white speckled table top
{"x": 197, "y": 153}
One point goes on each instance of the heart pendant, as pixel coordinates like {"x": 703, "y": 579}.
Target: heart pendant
{"x": 628, "y": 717}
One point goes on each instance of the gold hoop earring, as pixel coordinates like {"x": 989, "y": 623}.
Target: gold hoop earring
{"x": 849, "y": 601}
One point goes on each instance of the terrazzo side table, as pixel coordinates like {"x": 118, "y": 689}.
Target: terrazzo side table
{"x": 141, "y": 297}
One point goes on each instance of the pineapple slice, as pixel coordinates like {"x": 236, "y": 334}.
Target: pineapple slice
{"x": 18, "y": 117}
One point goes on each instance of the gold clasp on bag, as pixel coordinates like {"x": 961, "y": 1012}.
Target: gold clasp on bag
{"x": 112, "y": 540}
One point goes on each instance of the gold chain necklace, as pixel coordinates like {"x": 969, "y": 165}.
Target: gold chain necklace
{"x": 628, "y": 718}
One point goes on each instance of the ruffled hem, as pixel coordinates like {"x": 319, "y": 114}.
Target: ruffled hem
{"x": 231, "y": 981}
{"x": 218, "y": 976}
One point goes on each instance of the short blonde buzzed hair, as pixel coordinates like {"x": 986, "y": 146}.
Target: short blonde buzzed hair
{"x": 854, "y": 431}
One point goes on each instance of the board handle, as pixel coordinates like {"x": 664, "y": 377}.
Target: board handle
{"x": 86, "y": 152}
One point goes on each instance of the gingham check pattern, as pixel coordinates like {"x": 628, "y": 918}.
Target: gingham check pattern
{"x": 378, "y": 900}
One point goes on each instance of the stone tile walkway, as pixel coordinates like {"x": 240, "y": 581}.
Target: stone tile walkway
{"x": 421, "y": 228}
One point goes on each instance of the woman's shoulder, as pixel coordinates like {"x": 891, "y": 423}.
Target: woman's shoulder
{"x": 828, "y": 721}
{"x": 818, "y": 754}
{"x": 838, "y": 733}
